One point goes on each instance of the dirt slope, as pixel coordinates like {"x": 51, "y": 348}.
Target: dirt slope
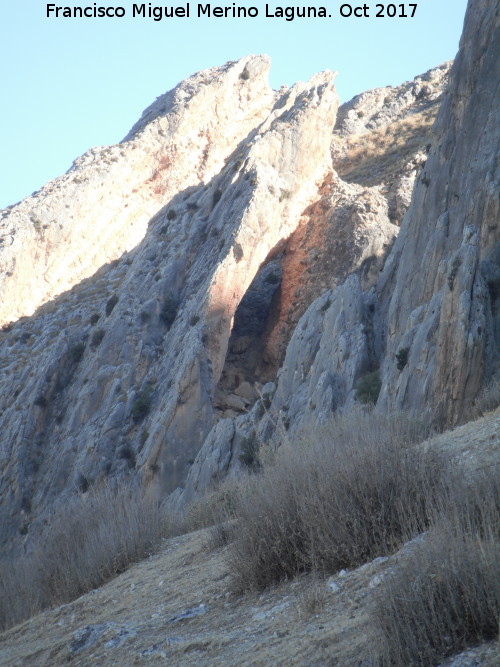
{"x": 176, "y": 607}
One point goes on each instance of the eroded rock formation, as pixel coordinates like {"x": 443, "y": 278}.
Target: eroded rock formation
{"x": 427, "y": 328}
{"x": 119, "y": 373}
{"x": 228, "y": 273}
{"x": 102, "y": 206}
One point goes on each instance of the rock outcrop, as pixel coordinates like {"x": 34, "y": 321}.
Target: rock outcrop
{"x": 228, "y": 273}
{"x": 119, "y": 373}
{"x": 446, "y": 324}
{"x": 426, "y": 330}
{"x": 102, "y": 206}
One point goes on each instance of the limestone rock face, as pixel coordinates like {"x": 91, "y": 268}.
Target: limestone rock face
{"x": 118, "y": 375}
{"x": 307, "y": 324}
{"x": 440, "y": 287}
{"x": 102, "y": 206}
{"x": 346, "y": 229}
{"x": 429, "y": 322}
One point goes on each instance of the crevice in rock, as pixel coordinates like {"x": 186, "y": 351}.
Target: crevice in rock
{"x": 246, "y": 368}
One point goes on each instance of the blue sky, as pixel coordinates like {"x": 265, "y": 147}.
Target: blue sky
{"x": 70, "y": 84}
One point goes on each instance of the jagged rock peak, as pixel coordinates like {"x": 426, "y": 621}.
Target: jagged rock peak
{"x": 242, "y": 82}
{"x": 101, "y": 207}
{"x": 423, "y": 333}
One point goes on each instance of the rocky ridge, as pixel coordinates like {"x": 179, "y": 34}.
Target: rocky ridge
{"x": 102, "y": 206}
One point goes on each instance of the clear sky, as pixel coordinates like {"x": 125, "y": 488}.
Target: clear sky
{"x": 69, "y": 84}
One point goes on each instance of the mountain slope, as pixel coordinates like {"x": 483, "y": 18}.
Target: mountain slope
{"x": 424, "y": 332}
{"x": 268, "y": 283}
{"x": 126, "y": 373}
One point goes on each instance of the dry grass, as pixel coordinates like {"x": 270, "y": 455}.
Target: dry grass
{"x": 446, "y": 597}
{"x": 376, "y": 156}
{"x": 94, "y": 537}
{"x": 87, "y": 542}
{"x": 312, "y": 597}
{"x": 357, "y": 492}
{"x": 216, "y": 510}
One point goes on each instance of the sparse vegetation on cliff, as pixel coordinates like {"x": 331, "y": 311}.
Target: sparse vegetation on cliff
{"x": 368, "y": 388}
{"x": 110, "y": 304}
{"x": 371, "y": 157}
{"x": 169, "y": 311}
{"x": 142, "y": 403}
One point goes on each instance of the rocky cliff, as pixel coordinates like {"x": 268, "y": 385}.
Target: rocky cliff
{"x": 420, "y": 331}
{"x": 446, "y": 324}
{"x": 230, "y": 271}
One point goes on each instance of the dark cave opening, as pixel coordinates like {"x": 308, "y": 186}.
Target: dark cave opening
{"x": 246, "y": 369}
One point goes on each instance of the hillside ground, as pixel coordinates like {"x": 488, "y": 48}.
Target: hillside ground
{"x": 177, "y": 606}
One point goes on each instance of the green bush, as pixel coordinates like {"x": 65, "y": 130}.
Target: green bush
{"x": 368, "y": 388}
{"x": 97, "y": 337}
{"x": 83, "y": 483}
{"x": 169, "y": 311}
{"x": 249, "y": 456}
{"x": 41, "y": 401}
{"x": 402, "y": 358}
{"x": 238, "y": 252}
{"x": 326, "y": 305}
{"x": 142, "y": 404}
{"x": 76, "y": 352}
{"x": 127, "y": 454}
{"x": 272, "y": 278}
{"x": 216, "y": 197}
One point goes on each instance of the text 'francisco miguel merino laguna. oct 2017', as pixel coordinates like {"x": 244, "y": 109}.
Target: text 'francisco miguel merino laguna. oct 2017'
{"x": 234, "y": 10}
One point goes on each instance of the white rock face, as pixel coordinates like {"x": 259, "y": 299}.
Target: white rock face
{"x": 102, "y": 207}
{"x": 447, "y": 320}
{"x": 430, "y": 321}
{"x": 118, "y": 374}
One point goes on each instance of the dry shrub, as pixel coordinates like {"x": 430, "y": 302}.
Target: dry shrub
{"x": 216, "y": 510}
{"x": 86, "y": 542}
{"x": 221, "y": 535}
{"x": 446, "y": 597}
{"x": 486, "y": 401}
{"x": 357, "y": 492}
